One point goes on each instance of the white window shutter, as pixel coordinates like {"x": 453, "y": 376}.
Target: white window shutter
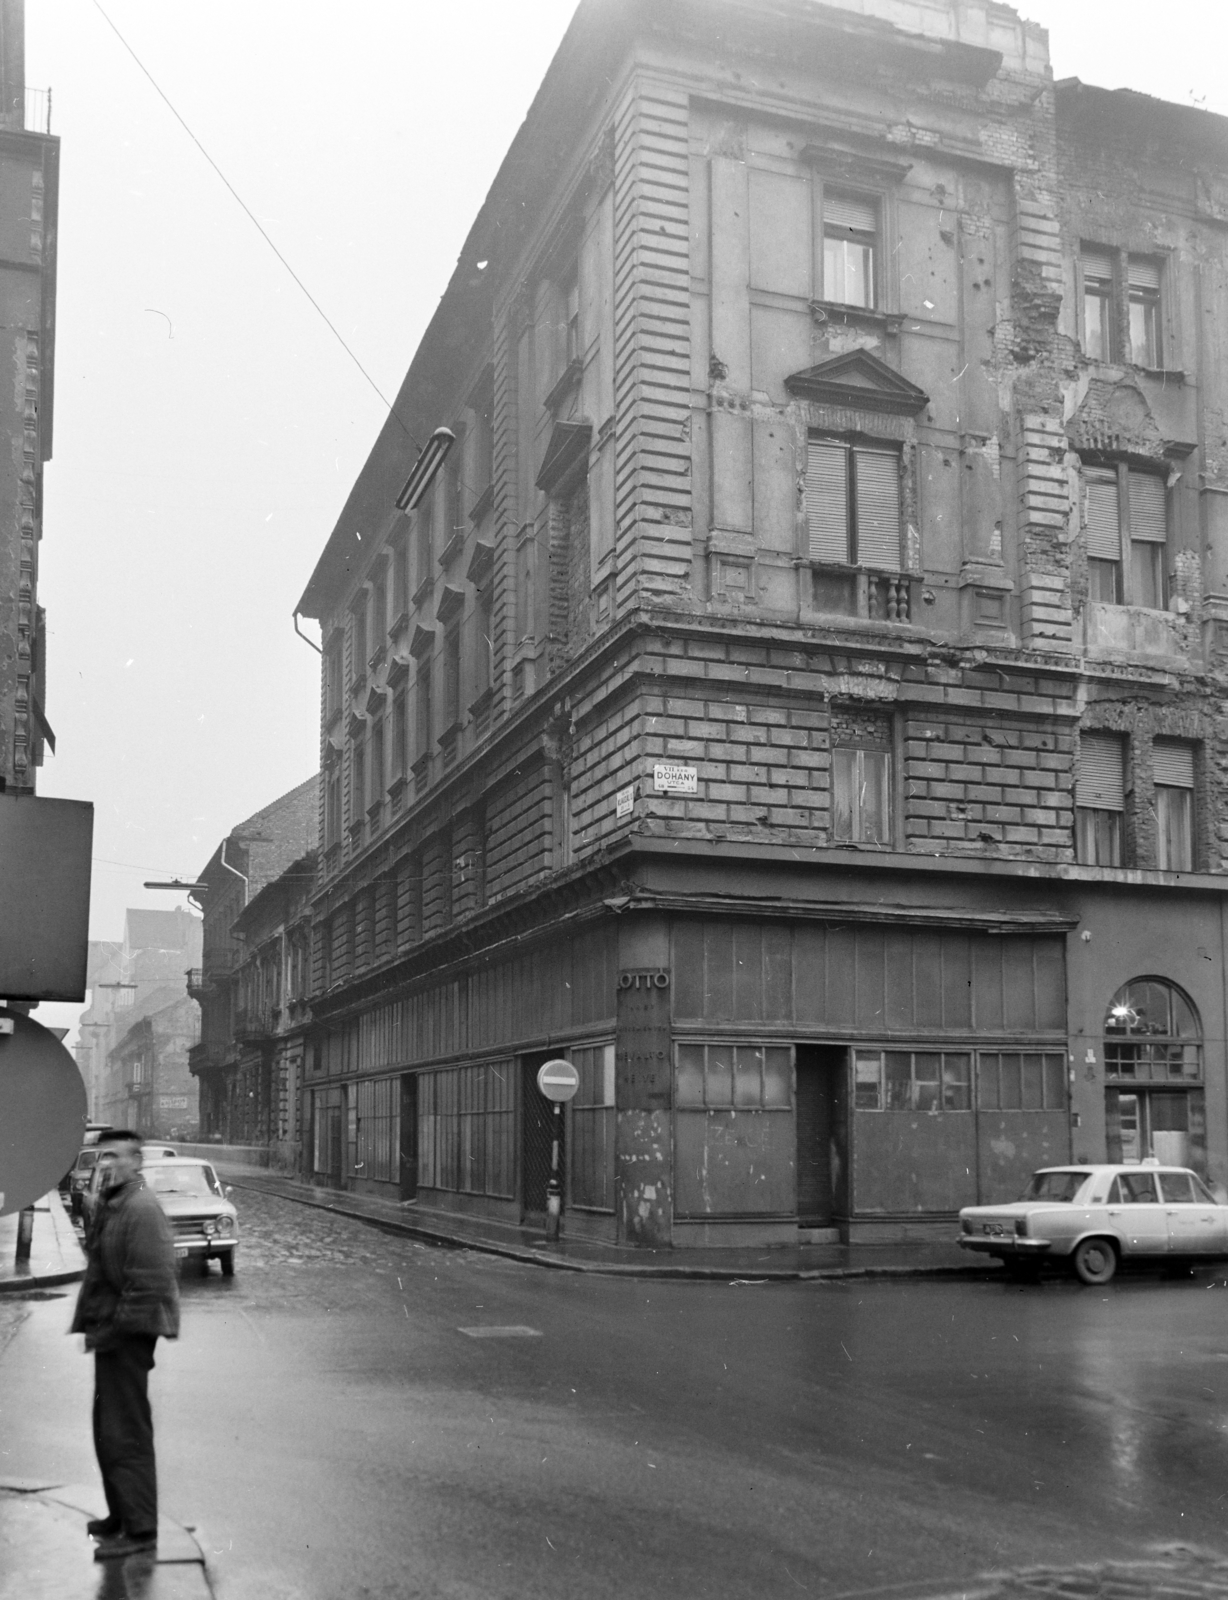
{"x": 1148, "y": 507}
{"x": 878, "y": 508}
{"x": 1172, "y": 763}
{"x": 1096, "y": 263}
{"x": 1101, "y": 783}
{"x": 1144, "y": 273}
{"x": 827, "y": 500}
{"x": 1103, "y": 522}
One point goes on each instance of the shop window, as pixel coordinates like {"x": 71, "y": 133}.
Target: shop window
{"x": 850, "y": 245}
{"x": 1173, "y": 771}
{"x": 1100, "y": 799}
{"x": 466, "y": 1129}
{"x": 853, "y": 504}
{"x": 590, "y": 1143}
{"x": 861, "y": 796}
{"x": 1126, "y": 528}
{"x": 912, "y": 1080}
{"x": 738, "y": 1077}
{"x": 1152, "y": 1034}
{"x": 1020, "y": 1080}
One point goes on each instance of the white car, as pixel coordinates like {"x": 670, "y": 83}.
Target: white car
{"x": 1094, "y": 1217}
{"x": 202, "y": 1217}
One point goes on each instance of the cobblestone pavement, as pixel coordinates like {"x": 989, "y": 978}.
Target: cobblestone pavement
{"x": 1177, "y": 1573}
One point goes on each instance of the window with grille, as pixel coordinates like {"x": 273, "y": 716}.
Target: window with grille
{"x": 850, "y": 240}
{"x": 1100, "y": 800}
{"x": 853, "y": 504}
{"x": 861, "y": 796}
{"x": 1125, "y": 519}
{"x": 1173, "y": 773}
{"x": 1152, "y": 1034}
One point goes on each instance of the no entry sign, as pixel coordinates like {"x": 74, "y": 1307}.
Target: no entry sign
{"x": 558, "y": 1080}
{"x": 42, "y": 1113}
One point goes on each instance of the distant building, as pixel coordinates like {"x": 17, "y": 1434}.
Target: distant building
{"x": 29, "y": 201}
{"x": 242, "y": 1005}
{"x": 138, "y": 1027}
{"x": 799, "y": 700}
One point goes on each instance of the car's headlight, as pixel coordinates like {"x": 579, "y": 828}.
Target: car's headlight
{"x": 225, "y": 1224}
{"x": 1021, "y": 1227}
{"x": 965, "y": 1225}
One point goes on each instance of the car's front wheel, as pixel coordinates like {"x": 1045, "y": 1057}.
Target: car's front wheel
{"x": 1094, "y": 1261}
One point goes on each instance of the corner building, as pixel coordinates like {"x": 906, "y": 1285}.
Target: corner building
{"x": 798, "y": 699}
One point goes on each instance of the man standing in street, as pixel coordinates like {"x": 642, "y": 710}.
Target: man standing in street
{"x": 129, "y": 1297}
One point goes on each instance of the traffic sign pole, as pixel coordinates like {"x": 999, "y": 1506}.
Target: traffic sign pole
{"x": 558, "y": 1080}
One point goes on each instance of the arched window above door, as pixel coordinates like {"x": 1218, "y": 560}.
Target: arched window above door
{"x": 1152, "y": 1034}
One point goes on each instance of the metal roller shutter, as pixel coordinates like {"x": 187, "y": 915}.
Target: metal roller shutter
{"x": 1144, "y": 273}
{"x": 1101, "y": 514}
{"x": 1172, "y": 763}
{"x": 878, "y": 508}
{"x": 1096, "y": 263}
{"x": 849, "y": 211}
{"x": 1101, "y": 781}
{"x": 827, "y": 503}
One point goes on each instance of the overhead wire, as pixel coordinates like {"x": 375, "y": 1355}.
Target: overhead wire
{"x": 258, "y": 225}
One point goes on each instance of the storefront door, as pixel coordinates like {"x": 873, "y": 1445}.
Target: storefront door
{"x": 821, "y": 1074}
{"x": 409, "y": 1136}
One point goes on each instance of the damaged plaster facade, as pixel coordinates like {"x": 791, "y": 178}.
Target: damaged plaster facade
{"x": 29, "y": 191}
{"x": 798, "y": 699}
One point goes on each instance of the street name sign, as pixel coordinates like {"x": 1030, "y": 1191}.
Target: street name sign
{"x": 558, "y": 1080}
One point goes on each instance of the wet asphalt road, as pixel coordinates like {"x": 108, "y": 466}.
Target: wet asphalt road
{"x": 336, "y": 1436}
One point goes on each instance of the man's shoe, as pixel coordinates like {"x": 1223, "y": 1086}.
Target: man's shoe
{"x": 126, "y": 1544}
{"x": 104, "y": 1527}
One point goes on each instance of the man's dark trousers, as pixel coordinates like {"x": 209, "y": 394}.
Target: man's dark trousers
{"x": 123, "y": 1430}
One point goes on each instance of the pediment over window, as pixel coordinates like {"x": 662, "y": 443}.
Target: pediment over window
{"x": 1117, "y": 419}
{"x": 375, "y": 703}
{"x": 451, "y": 603}
{"x": 861, "y": 380}
{"x": 423, "y": 641}
{"x": 568, "y": 447}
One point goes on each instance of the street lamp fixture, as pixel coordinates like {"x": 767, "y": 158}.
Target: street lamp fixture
{"x": 434, "y": 453}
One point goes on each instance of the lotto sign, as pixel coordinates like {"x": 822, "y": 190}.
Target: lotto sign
{"x": 558, "y": 1080}
{"x": 670, "y": 779}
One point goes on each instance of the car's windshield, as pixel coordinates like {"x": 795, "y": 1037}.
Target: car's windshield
{"x": 198, "y": 1178}
{"x": 1061, "y": 1186}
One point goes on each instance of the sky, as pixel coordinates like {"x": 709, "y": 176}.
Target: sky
{"x": 208, "y": 424}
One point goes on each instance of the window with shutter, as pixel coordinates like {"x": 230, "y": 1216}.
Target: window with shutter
{"x": 827, "y": 507}
{"x": 850, "y": 235}
{"x": 878, "y": 508}
{"x": 1148, "y": 535}
{"x": 1117, "y": 501}
{"x": 1143, "y": 295}
{"x": 1100, "y": 799}
{"x": 853, "y": 504}
{"x": 1102, "y": 521}
{"x": 1097, "y": 270}
{"x": 1172, "y": 766}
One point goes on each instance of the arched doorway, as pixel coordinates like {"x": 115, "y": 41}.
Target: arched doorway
{"x": 1153, "y": 1068}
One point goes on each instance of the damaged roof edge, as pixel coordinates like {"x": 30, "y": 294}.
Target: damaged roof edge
{"x": 1085, "y": 105}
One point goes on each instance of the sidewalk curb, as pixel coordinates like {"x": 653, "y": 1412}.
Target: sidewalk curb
{"x": 48, "y": 1280}
{"x": 541, "y": 1258}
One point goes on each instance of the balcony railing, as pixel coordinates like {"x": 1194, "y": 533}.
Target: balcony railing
{"x": 260, "y": 1024}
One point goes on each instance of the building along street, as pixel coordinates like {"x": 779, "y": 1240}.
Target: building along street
{"x": 343, "y": 1418}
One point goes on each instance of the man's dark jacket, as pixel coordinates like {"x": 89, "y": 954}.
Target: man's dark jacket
{"x": 130, "y": 1284}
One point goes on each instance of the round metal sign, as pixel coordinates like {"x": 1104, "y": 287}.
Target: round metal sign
{"x": 42, "y": 1112}
{"x": 558, "y": 1080}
